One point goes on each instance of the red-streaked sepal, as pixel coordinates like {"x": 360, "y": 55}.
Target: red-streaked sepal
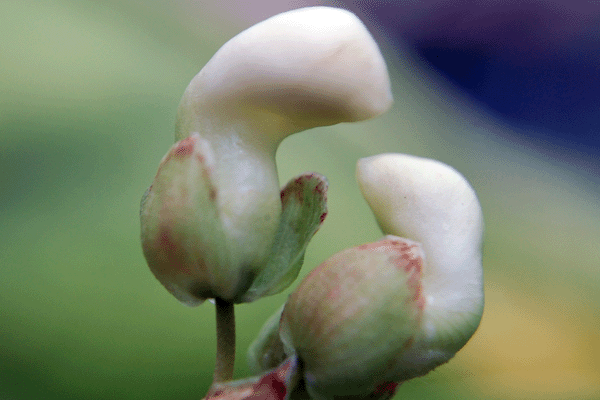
{"x": 354, "y": 316}
{"x": 189, "y": 241}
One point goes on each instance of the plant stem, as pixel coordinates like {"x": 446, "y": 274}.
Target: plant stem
{"x": 225, "y": 341}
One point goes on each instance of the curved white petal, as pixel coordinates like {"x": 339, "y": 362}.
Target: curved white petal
{"x": 303, "y": 68}
{"x": 431, "y": 203}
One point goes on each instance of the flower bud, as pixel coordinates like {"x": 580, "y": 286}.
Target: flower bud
{"x": 386, "y": 312}
{"x": 301, "y": 69}
{"x": 352, "y": 318}
{"x": 212, "y": 215}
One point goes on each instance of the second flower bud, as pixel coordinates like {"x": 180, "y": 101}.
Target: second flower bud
{"x": 352, "y": 319}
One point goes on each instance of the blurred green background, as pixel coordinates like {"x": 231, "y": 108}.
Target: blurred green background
{"x": 88, "y": 94}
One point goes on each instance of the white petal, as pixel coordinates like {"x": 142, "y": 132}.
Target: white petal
{"x": 431, "y": 203}
{"x": 300, "y": 69}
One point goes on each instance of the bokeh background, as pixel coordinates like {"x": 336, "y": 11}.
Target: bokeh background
{"x": 506, "y": 92}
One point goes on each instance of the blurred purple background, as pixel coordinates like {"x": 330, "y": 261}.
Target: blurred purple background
{"x": 533, "y": 64}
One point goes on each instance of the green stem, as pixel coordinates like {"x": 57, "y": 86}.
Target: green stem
{"x": 225, "y": 341}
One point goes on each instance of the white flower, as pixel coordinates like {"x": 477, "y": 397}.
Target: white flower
{"x": 297, "y": 70}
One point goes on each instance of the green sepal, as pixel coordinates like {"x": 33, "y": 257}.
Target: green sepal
{"x": 304, "y": 207}
{"x": 266, "y": 351}
{"x": 182, "y": 234}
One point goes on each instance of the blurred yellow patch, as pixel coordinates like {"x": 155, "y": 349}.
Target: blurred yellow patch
{"x": 531, "y": 348}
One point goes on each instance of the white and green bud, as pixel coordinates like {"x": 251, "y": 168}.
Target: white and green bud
{"x": 431, "y": 203}
{"x": 386, "y": 312}
{"x": 215, "y": 202}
